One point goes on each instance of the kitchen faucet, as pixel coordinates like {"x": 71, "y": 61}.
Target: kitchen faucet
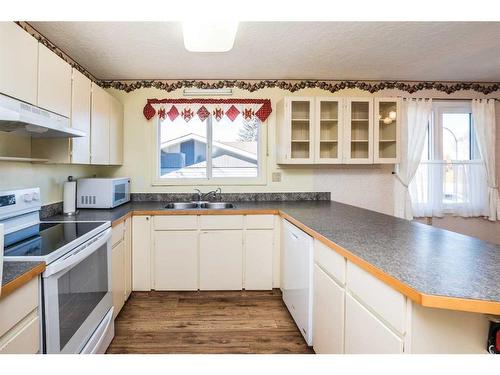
{"x": 213, "y": 194}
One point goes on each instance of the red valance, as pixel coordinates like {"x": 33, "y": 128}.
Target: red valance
{"x": 218, "y": 108}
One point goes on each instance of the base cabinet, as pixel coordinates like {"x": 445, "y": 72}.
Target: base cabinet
{"x": 259, "y": 246}
{"x": 328, "y": 314}
{"x": 118, "y": 278}
{"x": 175, "y": 264}
{"x": 221, "y": 260}
{"x": 141, "y": 253}
{"x": 128, "y": 257}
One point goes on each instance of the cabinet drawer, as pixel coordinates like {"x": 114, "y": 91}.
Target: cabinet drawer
{"x": 365, "y": 334}
{"x": 117, "y": 234}
{"x": 330, "y": 261}
{"x": 176, "y": 222}
{"x": 389, "y": 304}
{"x": 221, "y": 222}
{"x": 24, "y": 339}
{"x": 16, "y": 306}
{"x": 259, "y": 221}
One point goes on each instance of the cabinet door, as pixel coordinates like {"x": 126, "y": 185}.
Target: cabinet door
{"x": 386, "y": 132}
{"x": 54, "y": 82}
{"x": 328, "y": 314}
{"x": 128, "y": 257}
{"x": 221, "y": 260}
{"x": 141, "y": 253}
{"x": 329, "y": 132}
{"x": 358, "y": 131}
{"x": 115, "y": 132}
{"x": 365, "y": 334}
{"x": 99, "y": 122}
{"x": 299, "y": 114}
{"x": 118, "y": 277}
{"x": 19, "y": 63}
{"x": 259, "y": 245}
{"x": 175, "y": 262}
{"x": 80, "y": 117}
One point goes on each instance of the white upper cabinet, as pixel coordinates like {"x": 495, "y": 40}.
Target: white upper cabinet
{"x": 80, "y": 117}
{"x": 386, "y": 132}
{"x": 100, "y": 116}
{"x": 328, "y": 134}
{"x": 54, "y": 82}
{"x": 18, "y": 63}
{"x": 358, "y": 131}
{"x": 116, "y": 132}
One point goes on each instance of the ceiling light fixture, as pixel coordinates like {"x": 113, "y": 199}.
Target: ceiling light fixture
{"x": 202, "y": 36}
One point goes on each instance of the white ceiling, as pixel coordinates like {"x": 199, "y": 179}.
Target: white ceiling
{"x": 455, "y": 51}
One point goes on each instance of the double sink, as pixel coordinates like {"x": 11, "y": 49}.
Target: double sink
{"x": 199, "y": 205}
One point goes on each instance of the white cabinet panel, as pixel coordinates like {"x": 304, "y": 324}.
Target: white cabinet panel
{"x": 117, "y": 233}
{"x": 259, "y": 221}
{"x": 365, "y": 334}
{"x": 333, "y": 263}
{"x": 99, "y": 139}
{"x": 141, "y": 253}
{"x": 19, "y": 63}
{"x": 328, "y": 314}
{"x": 386, "y": 130}
{"x": 54, "y": 82}
{"x": 358, "y": 148}
{"x": 221, "y": 260}
{"x": 175, "y": 261}
{"x": 176, "y": 222}
{"x": 115, "y": 132}
{"x": 128, "y": 257}
{"x": 259, "y": 246}
{"x": 25, "y": 339}
{"x": 385, "y": 301}
{"x": 80, "y": 117}
{"x": 118, "y": 277}
{"x": 329, "y": 130}
{"x": 218, "y": 222}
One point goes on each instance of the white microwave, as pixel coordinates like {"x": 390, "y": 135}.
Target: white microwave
{"x": 102, "y": 192}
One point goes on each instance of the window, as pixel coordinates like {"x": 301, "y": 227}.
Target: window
{"x": 210, "y": 150}
{"x": 451, "y": 177}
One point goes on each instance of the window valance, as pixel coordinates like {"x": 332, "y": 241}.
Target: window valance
{"x": 218, "y": 108}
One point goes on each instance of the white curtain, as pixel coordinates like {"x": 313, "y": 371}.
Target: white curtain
{"x": 458, "y": 188}
{"x": 483, "y": 114}
{"x": 416, "y": 116}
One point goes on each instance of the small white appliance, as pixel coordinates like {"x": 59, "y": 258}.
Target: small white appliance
{"x": 102, "y": 192}
{"x": 77, "y": 306}
{"x": 298, "y": 278}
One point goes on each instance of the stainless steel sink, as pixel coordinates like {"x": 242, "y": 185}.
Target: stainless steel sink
{"x": 217, "y": 205}
{"x": 181, "y": 205}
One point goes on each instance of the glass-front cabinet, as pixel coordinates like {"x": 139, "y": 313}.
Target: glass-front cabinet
{"x": 386, "y": 134}
{"x": 329, "y": 122}
{"x": 358, "y": 131}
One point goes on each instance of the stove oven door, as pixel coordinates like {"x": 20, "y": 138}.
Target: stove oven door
{"x": 77, "y": 295}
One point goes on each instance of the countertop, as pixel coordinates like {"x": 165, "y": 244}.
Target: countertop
{"x": 16, "y": 274}
{"x": 432, "y": 266}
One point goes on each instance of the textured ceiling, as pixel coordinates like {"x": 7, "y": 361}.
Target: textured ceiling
{"x": 454, "y": 51}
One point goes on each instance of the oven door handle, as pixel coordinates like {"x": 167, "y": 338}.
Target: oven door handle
{"x": 78, "y": 254}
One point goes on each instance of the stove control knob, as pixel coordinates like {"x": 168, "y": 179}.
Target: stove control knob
{"x": 36, "y": 196}
{"x": 27, "y": 197}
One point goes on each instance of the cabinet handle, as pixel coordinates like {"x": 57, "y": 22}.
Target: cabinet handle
{"x": 147, "y": 218}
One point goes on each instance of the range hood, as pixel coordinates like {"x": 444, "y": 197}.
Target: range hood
{"x": 26, "y": 119}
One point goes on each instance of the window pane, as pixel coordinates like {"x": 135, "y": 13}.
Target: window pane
{"x": 183, "y": 148}
{"x": 456, "y": 136}
{"x": 235, "y": 147}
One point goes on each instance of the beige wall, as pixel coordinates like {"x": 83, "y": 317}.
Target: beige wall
{"x": 365, "y": 186}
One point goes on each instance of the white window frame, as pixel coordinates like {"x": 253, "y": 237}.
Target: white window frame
{"x": 262, "y": 161}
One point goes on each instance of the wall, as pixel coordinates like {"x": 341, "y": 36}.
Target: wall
{"x": 370, "y": 187}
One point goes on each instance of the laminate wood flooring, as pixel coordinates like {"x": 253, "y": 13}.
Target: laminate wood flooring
{"x": 206, "y": 322}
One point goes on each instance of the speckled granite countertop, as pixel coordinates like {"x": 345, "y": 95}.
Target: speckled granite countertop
{"x": 429, "y": 260}
{"x": 16, "y": 274}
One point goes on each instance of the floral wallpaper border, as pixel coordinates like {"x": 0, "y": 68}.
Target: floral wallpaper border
{"x": 255, "y": 85}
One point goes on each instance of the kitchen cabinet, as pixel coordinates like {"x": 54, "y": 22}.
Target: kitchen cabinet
{"x": 20, "y": 320}
{"x": 54, "y": 82}
{"x": 19, "y": 63}
{"x": 328, "y": 314}
{"x": 118, "y": 277}
{"x": 128, "y": 257}
{"x": 141, "y": 253}
{"x": 175, "y": 262}
{"x": 329, "y": 131}
{"x": 115, "y": 131}
{"x": 99, "y": 122}
{"x": 221, "y": 260}
{"x": 387, "y": 130}
{"x": 259, "y": 246}
{"x": 366, "y": 334}
{"x": 358, "y": 139}
{"x": 80, "y": 117}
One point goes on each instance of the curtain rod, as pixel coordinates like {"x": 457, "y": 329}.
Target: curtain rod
{"x": 451, "y": 99}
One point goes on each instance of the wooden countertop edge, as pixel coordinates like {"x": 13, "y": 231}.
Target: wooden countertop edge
{"x": 426, "y": 300}
{"x": 21, "y": 280}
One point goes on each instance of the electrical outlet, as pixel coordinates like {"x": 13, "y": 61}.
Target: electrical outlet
{"x": 276, "y": 177}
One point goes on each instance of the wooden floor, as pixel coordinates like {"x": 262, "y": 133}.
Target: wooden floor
{"x": 206, "y": 322}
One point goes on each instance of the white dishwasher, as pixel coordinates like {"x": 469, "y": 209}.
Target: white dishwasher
{"x": 298, "y": 277}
